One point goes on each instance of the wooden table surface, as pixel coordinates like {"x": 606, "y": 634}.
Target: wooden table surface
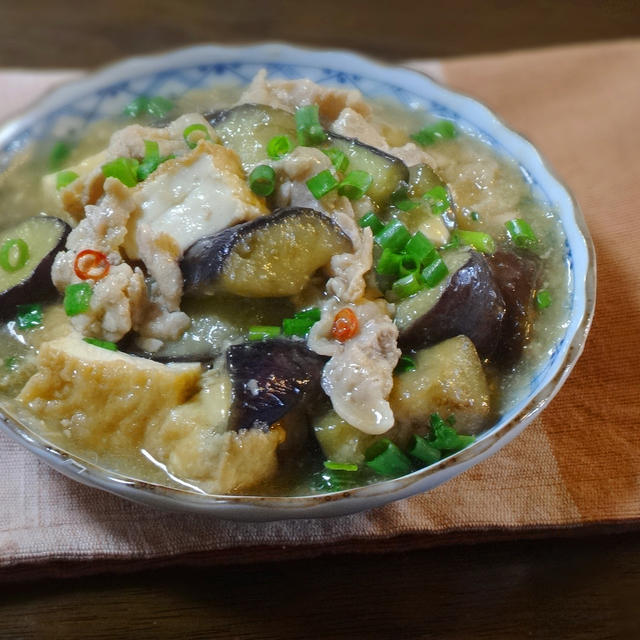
{"x": 580, "y": 587}
{"x": 556, "y": 588}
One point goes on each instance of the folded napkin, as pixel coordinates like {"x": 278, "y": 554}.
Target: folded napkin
{"x": 575, "y": 468}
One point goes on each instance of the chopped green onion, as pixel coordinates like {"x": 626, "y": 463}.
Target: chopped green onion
{"x": 446, "y": 438}
{"x": 77, "y": 298}
{"x": 194, "y": 133}
{"x": 279, "y": 146}
{"x": 400, "y": 200}
{"x": 14, "y": 254}
{"x": 393, "y": 236}
{"x": 104, "y": 344}
{"x": 434, "y": 272}
{"x": 475, "y": 216}
{"x": 150, "y": 161}
{"x": 340, "y": 466}
{"x": 58, "y": 154}
{"x": 441, "y": 130}
{"x": 438, "y": 199}
{"x": 408, "y": 264}
{"x": 156, "y": 106}
{"x": 389, "y": 263}
{"x": 136, "y": 107}
{"x": 460, "y": 442}
{"x": 260, "y": 332}
{"x": 124, "y": 169}
{"x": 477, "y": 239}
{"x": 407, "y": 286}
{"x": 29, "y": 316}
{"x": 11, "y": 363}
{"x": 151, "y": 151}
{"x": 405, "y": 364}
{"x": 386, "y": 458}
{"x": 297, "y": 326}
{"x": 421, "y": 248}
{"x": 301, "y": 322}
{"x": 335, "y": 480}
{"x": 371, "y": 220}
{"x": 406, "y": 205}
{"x": 312, "y": 314}
{"x": 543, "y": 299}
{"x": 421, "y": 449}
{"x": 262, "y": 180}
{"x": 453, "y": 243}
{"x": 338, "y": 159}
{"x": 65, "y": 178}
{"x": 310, "y": 131}
{"x": 355, "y": 184}
{"x": 521, "y": 233}
{"x": 322, "y": 183}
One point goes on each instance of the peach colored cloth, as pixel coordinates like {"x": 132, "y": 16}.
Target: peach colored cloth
{"x": 578, "y": 466}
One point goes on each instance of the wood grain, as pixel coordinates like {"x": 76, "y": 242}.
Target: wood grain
{"x": 584, "y": 589}
{"x": 80, "y": 34}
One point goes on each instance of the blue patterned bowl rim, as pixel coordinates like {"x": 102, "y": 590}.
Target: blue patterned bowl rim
{"x": 106, "y": 92}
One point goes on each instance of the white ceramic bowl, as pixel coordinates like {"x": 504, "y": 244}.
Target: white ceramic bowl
{"x": 106, "y": 92}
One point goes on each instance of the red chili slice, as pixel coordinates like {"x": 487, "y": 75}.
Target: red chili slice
{"x": 345, "y": 325}
{"x": 91, "y": 265}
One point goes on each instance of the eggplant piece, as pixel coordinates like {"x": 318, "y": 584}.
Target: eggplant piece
{"x": 448, "y": 380}
{"x": 216, "y": 322}
{"x": 468, "y": 303}
{"x": 247, "y": 129}
{"x": 420, "y": 216}
{"x": 516, "y": 277}
{"x": 423, "y": 178}
{"x": 270, "y": 379}
{"x": 272, "y": 256}
{"x": 45, "y": 236}
{"x": 388, "y": 172}
{"x": 340, "y": 441}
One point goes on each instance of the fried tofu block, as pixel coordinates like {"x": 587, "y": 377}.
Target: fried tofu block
{"x": 195, "y": 445}
{"x": 105, "y": 400}
{"x": 193, "y": 196}
{"x": 86, "y": 189}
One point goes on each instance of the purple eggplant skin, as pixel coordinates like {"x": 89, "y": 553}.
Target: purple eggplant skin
{"x": 37, "y": 285}
{"x": 471, "y": 305}
{"x": 516, "y": 277}
{"x": 388, "y": 171}
{"x": 205, "y": 357}
{"x": 402, "y": 167}
{"x": 204, "y": 262}
{"x": 270, "y": 379}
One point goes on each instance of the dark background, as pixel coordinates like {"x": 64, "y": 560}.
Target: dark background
{"x": 580, "y": 587}
{"x": 78, "y": 33}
